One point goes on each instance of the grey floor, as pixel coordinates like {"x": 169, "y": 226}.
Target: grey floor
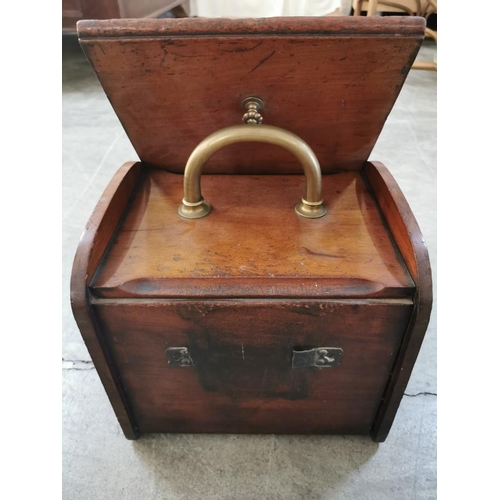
{"x": 99, "y": 463}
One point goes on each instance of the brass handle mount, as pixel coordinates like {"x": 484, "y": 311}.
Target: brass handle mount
{"x": 194, "y": 206}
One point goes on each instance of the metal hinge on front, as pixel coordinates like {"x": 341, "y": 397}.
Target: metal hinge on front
{"x": 179, "y": 357}
{"x": 320, "y": 357}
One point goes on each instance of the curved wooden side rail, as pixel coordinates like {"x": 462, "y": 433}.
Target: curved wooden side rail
{"x": 93, "y": 244}
{"x": 410, "y": 242}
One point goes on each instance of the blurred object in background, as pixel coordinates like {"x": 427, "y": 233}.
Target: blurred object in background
{"x": 74, "y": 10}
{"x": 267, "y": 8}
{"x": 422, "y": 8}
{"x": 153, "y": 8}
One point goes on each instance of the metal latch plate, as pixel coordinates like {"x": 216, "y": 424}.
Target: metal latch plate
{"x": 179, "y": 357}
{"x": 319, "y": 357}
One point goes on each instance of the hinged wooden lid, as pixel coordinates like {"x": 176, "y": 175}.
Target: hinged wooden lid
{"x": 332, "y": 81}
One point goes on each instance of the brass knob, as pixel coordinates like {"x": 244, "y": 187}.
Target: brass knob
{"x": 252, "y": 105}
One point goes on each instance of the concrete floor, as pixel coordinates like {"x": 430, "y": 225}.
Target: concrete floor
{"x": 99, "y": 463}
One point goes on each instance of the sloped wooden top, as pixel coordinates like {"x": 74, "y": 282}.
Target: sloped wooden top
{"x": 332, "y": 81}
{"x": 252, "y": 244}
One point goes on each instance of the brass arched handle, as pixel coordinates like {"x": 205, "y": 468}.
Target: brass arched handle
{"x": 194, "y": 206}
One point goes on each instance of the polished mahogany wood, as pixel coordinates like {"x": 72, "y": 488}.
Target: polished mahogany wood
{"x": 93, "y": 243}
{"x": 132, "y": 333}
{"x": 242, "y": 380}
{"x": 246, "y": 286}
{"x": 332, "y": 81}
{"x": 411, "y": 243}
{"x": 253, "y": 244}
{"x": 283, "y": 26}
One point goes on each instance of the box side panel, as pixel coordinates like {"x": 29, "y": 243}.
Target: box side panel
{"x": 96, "y": 238}
{"x": 408, "y": 237}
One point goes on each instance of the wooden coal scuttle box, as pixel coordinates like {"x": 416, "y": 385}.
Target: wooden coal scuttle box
{"x": 294, "y": 294}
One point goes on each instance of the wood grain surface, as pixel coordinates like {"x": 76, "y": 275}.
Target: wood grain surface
{"x": 411, "y": 243}
{"x": 252, "y": 282}
{"x": 253, "y": 244}
{"x": 127, "y": 337}
{"x": 242, "y": 379}
{"x": 95, "y": 239}
{"x": 283, "y": 26}
{"x": 332, "y": 81}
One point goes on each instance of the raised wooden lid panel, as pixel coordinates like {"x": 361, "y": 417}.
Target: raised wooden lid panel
{"x": 252, "y": 244}
{"x": 333, "y": 81}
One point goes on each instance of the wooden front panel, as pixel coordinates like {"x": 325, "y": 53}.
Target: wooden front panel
{"x": 332, "y": 81}
{"x": 242, "y": 380}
